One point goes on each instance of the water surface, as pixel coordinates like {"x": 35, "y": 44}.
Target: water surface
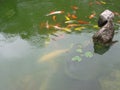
{"x": 34, "y": 58}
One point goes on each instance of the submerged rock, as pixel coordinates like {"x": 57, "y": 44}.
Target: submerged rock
{"x": 106, "y": 33}
{"x": 111, "y": 82}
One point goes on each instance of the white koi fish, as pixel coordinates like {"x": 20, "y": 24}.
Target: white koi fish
{"x": 50, "y": 56}
{"x": 55, "y": 12}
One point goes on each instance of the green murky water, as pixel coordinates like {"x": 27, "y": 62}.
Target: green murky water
{"x": 35, "y": 58}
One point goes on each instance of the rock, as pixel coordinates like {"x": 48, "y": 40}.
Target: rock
{"x": 106, "y": 33}
{"x": 104, "y": 17}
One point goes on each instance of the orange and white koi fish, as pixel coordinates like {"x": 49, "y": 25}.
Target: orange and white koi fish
{"x": 92, "y": 16}
{"x": 55, "y": 12}
{"x": 62, "y": 28}
{"x": 57, "y": 27}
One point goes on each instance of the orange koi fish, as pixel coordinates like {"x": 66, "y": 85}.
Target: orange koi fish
{"x": 74, "y": 16}
{"x": 82, "y": 22}
{"x": 116, "y": 13}
{"x": 55, "y": 12}
{"x": 74, "y": 7}
{"x": 90, "y": 3}
{"x": 92, "y": 16}
{"x": 68, "y": 15}
{"x": 54, "y": 18}
{"x": 98, "y": 3}
{"x": 72, "y": 25}
{"x": 42, "y": 25}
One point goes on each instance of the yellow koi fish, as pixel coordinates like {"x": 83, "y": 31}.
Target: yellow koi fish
{"x": 70, "y": 21}
{"x": 66, "y": 29}
{"x": 67, "y": 18}
{"x": 103, "y": 2}
{"x": 79, "y": 28}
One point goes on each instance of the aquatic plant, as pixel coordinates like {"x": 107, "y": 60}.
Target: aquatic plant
{"x": 77, "y": 58}
{"x": 87, "y": 54}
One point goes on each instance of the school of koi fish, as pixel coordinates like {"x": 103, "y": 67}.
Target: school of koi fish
{"x": 71, "y": 20}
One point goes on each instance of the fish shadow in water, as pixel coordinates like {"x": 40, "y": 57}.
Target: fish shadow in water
{"x": 100, "y": 48}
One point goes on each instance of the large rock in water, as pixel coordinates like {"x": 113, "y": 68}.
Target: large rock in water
{"x": 106, "y": 33}
{"x": 104, "y": 17}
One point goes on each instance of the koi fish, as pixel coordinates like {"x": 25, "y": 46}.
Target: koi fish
{"x": 82, "y": 22}
{"x": 98, "y": 3}
{"x": 54, "y": 18}
{"x": 73, "y": 16}
{"x": 95, "y": 26}
{"x": 74, "y": 7}
{"x": 92, "y": 16}
{"x": 67, "y": 18}
{"x": 50, "y": 56}
{"x": 47, "y": 25}
{"x": 68, "y": 15}
{"x": 103, "y": 2}
{"x": 79, "y": 28}
{"x": 73, "y": 25}
{"x": 116, "y": 13}
{"x": 57, "y": 27}
{"x": 66, "y": 29}
{"x": 70, "y": 21}
{"x": 42, "y": 25}
{"x": 55, "y": 12}
{"x": 90, "y": 3}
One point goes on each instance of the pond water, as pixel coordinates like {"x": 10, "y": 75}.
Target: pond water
{"x": 33, "y": 57}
